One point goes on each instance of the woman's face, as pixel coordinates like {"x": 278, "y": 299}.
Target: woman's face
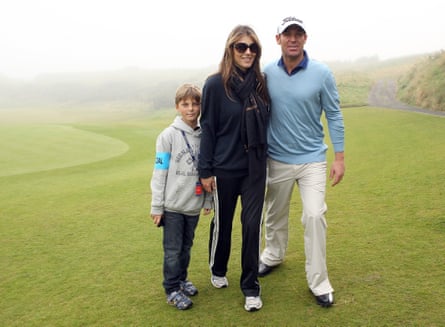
{"x": 244, "y": 52}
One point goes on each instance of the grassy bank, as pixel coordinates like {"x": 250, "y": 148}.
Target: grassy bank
{"x": 424, "y": 84}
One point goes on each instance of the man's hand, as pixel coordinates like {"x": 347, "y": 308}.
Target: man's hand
{"x": 337, "y": 169}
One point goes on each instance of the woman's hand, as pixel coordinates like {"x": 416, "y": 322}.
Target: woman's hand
{"x": 208, "y": 184}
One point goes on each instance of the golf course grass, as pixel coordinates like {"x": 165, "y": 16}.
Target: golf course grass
{"x": 78, "y": 247}
{"x": 31, "y": 148}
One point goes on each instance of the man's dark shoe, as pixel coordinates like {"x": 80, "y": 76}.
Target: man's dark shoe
{"x": 325, "y": 300}
{"x": 264, "y": 269}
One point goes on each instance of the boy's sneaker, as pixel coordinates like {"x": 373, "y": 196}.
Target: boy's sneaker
{"x": 253, "y": 303}
{"x": 219, "y": 282}
{"x": 188, "y": 288}
{"x": 179, "y": 300}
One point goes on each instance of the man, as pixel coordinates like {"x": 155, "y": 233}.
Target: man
{"x": 301, "y": 90}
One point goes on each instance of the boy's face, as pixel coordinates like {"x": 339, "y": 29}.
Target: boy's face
{"x": 189, "y": 110}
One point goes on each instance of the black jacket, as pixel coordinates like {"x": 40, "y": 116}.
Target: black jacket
{"x": 222, "y": 153}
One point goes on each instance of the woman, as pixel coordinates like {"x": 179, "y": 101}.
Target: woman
{"x": 232, "y": 163}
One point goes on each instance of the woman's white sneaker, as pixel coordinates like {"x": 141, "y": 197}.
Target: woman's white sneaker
{"x": 219, "y": 282}
{"x": 253, "y": 303}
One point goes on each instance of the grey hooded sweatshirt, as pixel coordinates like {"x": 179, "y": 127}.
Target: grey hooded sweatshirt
{"x": 173, "y": 183}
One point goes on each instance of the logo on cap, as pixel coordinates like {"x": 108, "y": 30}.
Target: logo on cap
{"x": 292, "y": 19}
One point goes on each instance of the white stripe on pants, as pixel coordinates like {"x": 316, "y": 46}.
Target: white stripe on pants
{"x": 311, "y": 181}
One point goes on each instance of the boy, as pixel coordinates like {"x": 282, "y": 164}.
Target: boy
{"x": 177, "y": 195}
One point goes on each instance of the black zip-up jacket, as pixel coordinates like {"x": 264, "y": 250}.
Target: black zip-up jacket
{"x": 222, "y": 153}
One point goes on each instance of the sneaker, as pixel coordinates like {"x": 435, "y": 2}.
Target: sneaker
{"x": 219, "y": 282}
{"x": 188, "y": 288}
{"x": 253, "y": 303}
{"x": 179, "y": 300}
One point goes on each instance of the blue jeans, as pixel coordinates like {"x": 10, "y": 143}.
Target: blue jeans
{"x": 179, "y": 232}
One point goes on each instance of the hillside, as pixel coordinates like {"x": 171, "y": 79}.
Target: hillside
{"x": 149, "y": 89}
{"x": 421, "y": 83}
{"x": 424, "y": 84}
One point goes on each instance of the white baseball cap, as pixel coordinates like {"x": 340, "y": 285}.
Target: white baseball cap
{"x": 288, "y": 21}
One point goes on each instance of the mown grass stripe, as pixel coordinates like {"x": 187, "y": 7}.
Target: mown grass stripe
{"x": 32, "y": 148}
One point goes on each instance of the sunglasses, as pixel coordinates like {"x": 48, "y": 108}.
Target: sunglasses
{"x": 242, "y": 47}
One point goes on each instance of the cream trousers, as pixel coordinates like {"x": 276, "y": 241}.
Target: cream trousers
{"x": 311, "y": 181}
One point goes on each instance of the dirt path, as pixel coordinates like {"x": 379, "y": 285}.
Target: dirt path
{"x": 383, "y": 94}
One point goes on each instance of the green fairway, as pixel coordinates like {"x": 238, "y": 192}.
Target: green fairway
{"x": 78, "y": 247}
{"x": 30, "y": 148}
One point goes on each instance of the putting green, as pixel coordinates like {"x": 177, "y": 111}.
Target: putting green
{"x": 31, "y": 148}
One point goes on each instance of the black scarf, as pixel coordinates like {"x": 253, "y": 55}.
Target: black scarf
{"x": 254, "y": 121}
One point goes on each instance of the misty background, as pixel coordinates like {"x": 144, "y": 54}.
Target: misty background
{"x": 65, "y": 36}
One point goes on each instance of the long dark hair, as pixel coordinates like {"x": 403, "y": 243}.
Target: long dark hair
{"x": 227, "y": 66}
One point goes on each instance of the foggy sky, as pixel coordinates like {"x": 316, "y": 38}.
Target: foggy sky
{"x": 45, "y": 36}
